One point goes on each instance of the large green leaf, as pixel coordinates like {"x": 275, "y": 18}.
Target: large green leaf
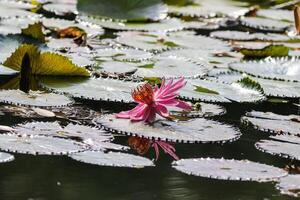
{"x": 35, "y": 31}
{"x": 271, "y": 50}
{"x": 133, "y": 10}
{"x": 44, "y": 63}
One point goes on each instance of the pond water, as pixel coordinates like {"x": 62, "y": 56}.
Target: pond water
{"x": 44, "y": 177}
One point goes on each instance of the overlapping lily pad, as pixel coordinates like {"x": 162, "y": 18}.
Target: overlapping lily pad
{"x": 237, "y": 170}
{"x": 198, "y": 130}
{"x": 266, "y": 24}
{"x": 278, "y": 14}
{"x": 273, "y": 68}
{"x": 122, "y": 54}
{"x": 273, "y": 123}
{"x": 38, "y": 145}
{"x": 168, "y": 24}
{"x": 203, "y": 110}
{"x": 289, "y": 185}
{"x": 272, "y": 88}
{"x": 34, "y": 98}
{"x": 112, "y": 159}
{"x": 95, "y": 89}
{"x": 171, "y": 67}
{"x": 211, "y": 91}
{"x": 286, "y": 146}
{"x": 96, "y": 139}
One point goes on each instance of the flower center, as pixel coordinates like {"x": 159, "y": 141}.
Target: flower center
{"x": 143, "y": 94}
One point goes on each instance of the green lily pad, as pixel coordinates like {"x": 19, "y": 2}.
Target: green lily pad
{"x": 44, "y": 63}
{"x": 272, "y": 50}
{"x": 131, "y": 10}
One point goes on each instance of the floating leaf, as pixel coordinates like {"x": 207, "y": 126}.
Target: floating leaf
{"x": 219, "y": 92}
{"x": 15, "y": 25}
{"x": 131, "y": 10}
{"x": 95, "y": 89}
{"x": 271, "y": 50}
{"x": 96, "y": 139}
{"x": 272, "y": 68}
{"x": 61, "y": 9}
{"x": 172, "y": 24}
{"x": 237, "y": 170}
{"x": 286, "y": 146}
{"x": 56, "y": 23}
{"x": 34, "y": 31}
{"x": 44, "y": 64}
{"x": 233, "y": 35}
{"x": 289, "y": 185}
{"x": 33, "y": 98}
{"x": 265, "y": 24}
{"x": 119, "y": 54}
{"x": 203, "y": 110}
{"x": 5, "y": 157}
{"x": 112, "y": 159}
{"x": 39, "y": 145}
{"x": 171, "y": 67}
{"x": 273, "y": 123}
{"x": 193, "y": 131}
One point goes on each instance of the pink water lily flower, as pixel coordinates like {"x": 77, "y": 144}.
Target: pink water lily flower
{"x": 155, "y": 101}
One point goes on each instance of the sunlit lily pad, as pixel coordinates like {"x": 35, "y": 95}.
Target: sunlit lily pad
{"x": 172, "y": 24}
{"x": 9, "y": 11}
{"x": 171, "y": 67}
{"x": 205, "y": 57}
{"x": 145, "y": 41}
{"x": 198, "y": 130}
{"x": 211, "y": 91}
{"x": 133, "y": 10}
{"x": 15, "y": 25}
{"x": 61, "y": 9}
{"x": 271, "y": 88}
{"x": 33, "y": 98}
{"x": 96, "y": 139}
{"x": 273, "y": 123}
{"x": 237, "y": 170}
{"x": 289, "y": 185}
{"x": 130, "y": 55}
{"x": 204, "y": 110}
{"x": 273, "y": 68}
{"x": 7, "y": 71}
{"x": 246, "y": 36}
{"x": 94, "y": 89}
{"x": 38, "y": 145}
{"x": 286, "y": 146}
{"x": 112, "y": 159}
{"x": 6, "y": 157}
{"x": 266, "y": 24}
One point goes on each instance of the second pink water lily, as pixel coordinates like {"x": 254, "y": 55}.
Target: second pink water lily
{"x": 155, "y": 101}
